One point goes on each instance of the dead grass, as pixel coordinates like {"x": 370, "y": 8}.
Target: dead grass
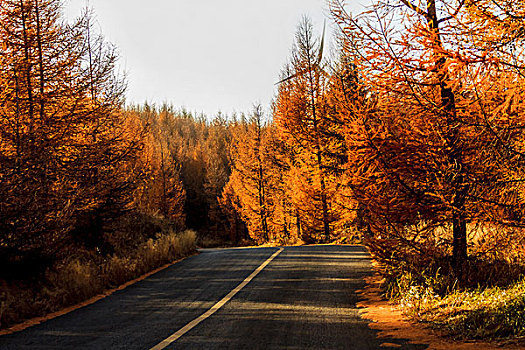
{"x": 391, "y": 321}
{"x": 487, "y": 302}
{"x": 483, "y": 313}
{"x": 209, "y": 241}
{"x": 85, "y": 275}
{"x": 490, "y": 303}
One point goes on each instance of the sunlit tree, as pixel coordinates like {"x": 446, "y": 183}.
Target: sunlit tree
{"x": 436, "y": 144}
{"x": 250, "y": 179}
{"x": 63, "y": 139}
{"x": 309, "y": 126}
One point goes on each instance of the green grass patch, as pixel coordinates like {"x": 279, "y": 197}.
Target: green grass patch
{"x": 481, "y": 313}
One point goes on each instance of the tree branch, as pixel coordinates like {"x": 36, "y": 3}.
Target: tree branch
{"x": 415, "y": 8}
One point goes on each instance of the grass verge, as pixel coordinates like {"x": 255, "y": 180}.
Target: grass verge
{"x": 481, "y": 313}
{"x": 85, "y": 275}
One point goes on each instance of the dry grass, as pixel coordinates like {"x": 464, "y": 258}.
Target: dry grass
{"x": 209, "y": 241}
{"x": 488, "y": 302}
{"x": 483, "y": 313}
{"x": 85, "y": 275}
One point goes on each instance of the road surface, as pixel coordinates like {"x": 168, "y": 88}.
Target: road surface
{"x": 304, "y": 298}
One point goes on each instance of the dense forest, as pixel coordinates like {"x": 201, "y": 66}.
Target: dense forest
{"x": 410, "y": 139}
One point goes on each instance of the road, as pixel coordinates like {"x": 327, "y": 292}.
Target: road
{"x": 302, "y": 299}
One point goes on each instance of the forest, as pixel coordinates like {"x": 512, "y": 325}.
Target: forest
{"x": 410, "y": 140}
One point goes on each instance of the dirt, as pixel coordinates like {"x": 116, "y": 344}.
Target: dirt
{"x": 391, "y": 323}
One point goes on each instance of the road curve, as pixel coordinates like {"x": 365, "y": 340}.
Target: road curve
{"x": 303, "y": 299}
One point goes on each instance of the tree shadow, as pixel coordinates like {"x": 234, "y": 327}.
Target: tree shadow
{"x": 306, "y": 298}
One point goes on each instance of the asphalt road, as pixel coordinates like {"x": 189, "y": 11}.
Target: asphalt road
{"x": 303, "y": 299}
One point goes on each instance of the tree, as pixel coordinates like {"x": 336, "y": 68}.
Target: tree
{"x": 63, "y": 142}
{"x": 196, "y": 151}
{"x": 250, "y": 176}
{"x": 305, "y": 121}
{"x": 285, "y": 220}
{"x": 217, "y": 165}
{"x": 436, "y": 143}
{"x": 161, "y": 191}
{"x": 230, "y": 204}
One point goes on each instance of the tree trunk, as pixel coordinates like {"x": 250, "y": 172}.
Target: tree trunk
{"x": 298, "y": 223}
{"x": 455, "y": 154}
{"x": 324, "y": 201}
{"x": 459, "y": 245}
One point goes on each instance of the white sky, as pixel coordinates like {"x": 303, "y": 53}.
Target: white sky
{"x": 204, "y": 55}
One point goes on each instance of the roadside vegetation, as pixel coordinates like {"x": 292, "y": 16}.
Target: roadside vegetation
{"x": 88, "y": 199}
{"x": 489, "y": 304}
{"x": 436, "y": 151}
{"x": 475, "y": 313}
{"x": 410, "y": 139}
{"x": 86, "y": 274}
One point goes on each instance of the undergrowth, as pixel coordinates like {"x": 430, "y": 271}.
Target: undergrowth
{"x": 86, "y": 274}
{"x": 481, "y": 313}
{"x": 484, "y": 298}
{"x": 492, "y": 309}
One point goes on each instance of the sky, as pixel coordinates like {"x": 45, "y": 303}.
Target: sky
{"x": 207, "y": 55}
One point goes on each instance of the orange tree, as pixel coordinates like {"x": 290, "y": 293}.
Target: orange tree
{"x": 435, "y": 141}
{"x": 250, "y": 178}
{"x": 311, "y": 131}
{"x": 63, "y": 144}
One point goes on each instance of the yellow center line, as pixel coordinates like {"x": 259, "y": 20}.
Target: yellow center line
{"x": 215, "y": 307}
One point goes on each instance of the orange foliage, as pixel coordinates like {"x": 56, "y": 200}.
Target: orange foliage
{"x": 250, "y": 179}
{"x": 312, "y": 130}
{"x": 435, "y": 140}
{"x": 65, "y": 151}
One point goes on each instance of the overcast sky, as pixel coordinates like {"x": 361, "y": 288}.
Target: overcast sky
{"x": 205, "y": 55}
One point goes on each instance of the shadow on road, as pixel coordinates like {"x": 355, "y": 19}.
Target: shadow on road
{"x": 304, "y": 299}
